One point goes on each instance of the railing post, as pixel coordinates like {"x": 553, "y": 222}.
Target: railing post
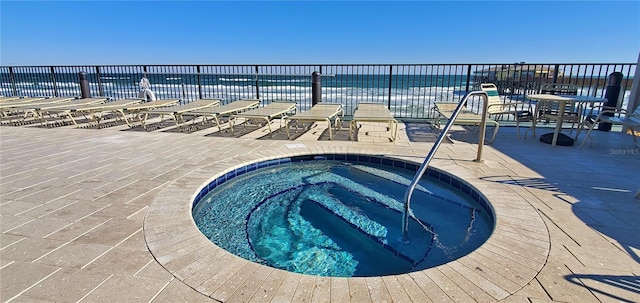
{"x": 468, "y": 78}
{"x": 316, "y": 88}
{"x": 257, "y": 84}
{"x": 84, "y": 85}
{"x": 199, "y": 83}
{"x": 99, "y": 79}
{"x": 53, "y": 81}
{"x": 13, "y": 81}
{"x": 390, "y": 81}
{"x": 555, "y": 73}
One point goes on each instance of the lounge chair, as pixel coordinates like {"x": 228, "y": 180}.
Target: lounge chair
{"x": 3, "y": 99}
{"x": 631, "y": 120}
{"x": 320, "y": 112}
{"x": 20, "y": 101}
{"x": 496, "y": 107}
{"x": 27, "y": 103}
{"x": 373, "y": 112}
{"x": 38, "y": 110}
{"x": 135, "y": 109}
{"x": 7, "y": 107}
{"x": 267, "y": 113}
{"x": 96, "y": 111}
{"x": 465, "y": 117}
{"x": 176, "y": 112}
{"x": 216, "y": 112}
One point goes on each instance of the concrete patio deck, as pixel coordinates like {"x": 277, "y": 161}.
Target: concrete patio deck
{"x": 102, "y": 215}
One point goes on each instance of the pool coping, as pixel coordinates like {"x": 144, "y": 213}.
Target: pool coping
{"x": 513, "y": 255}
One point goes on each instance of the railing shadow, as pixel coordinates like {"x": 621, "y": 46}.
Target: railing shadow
{"x": 579, "y": 208}
{"x": 538, "y": 183}
{"x": 598, "y": 184}
{"x": 422, "y": 132}
{"x": 626, "y": 283}
{"x": 620, "y": 235}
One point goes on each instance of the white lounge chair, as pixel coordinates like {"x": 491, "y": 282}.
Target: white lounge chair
{"x": 21, "y": 101}
{"x": 216, "y": 112}
{"x": 496, "y": 107}
{"x": 135, "y": 109}
{"x": 176, "y": 112}
{"x": 631, "y": 120}
{"x": 320, "y": 112}
{"x": 95, "y": 111}
{"x": 29, "y": 103}
{"x": 10, "y": 107}
{"x": 39, "y": 110}
{"x": 3, "y": 99}
{"x": 373, "y": 112}
{"x": 465, "y": 117}
{"x": 267, "y": 113}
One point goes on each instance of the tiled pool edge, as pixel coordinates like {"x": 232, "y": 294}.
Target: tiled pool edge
{"x": 178, "y": 246}
{"x": 433, "y": 172}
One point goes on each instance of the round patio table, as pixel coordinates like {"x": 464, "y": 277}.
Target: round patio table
{"x": 562, "y": 103}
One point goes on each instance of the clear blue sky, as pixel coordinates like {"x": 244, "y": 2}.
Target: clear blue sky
{"x": 269, "y": 32}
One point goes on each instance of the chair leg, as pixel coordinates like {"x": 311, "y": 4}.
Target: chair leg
{"x": 534, "y": 120}
{"x": 588, "y": 136}
{"x": 496, "y": 127}
{"x": 269, "y": 125}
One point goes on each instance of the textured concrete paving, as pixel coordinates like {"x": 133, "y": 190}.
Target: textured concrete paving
{"x": 102, "y": 215}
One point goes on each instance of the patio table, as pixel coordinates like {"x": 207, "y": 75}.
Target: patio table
{"x": 562, "y": 103}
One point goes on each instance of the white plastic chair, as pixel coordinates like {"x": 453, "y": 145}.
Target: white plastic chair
{"x": 631, "y": 120}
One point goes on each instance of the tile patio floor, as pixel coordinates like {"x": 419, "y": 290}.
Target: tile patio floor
{"x": 102, "y": 215}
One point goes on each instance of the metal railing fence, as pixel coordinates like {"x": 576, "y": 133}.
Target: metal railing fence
{"x": 409, "y": 90}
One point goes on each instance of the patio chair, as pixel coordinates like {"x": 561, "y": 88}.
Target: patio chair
{"x": 496, "y": 107}
{"x": 276, "y": 109}
{"x": 373, "y": 112}
{"x": 217, "y": 112}
{"x": 319, "y": 112}
{"x": 176, "y": 112}
{"x": 549, "y": 111}
{"x": 631, "y": 120}
{"x": 465, "y": 117}
{"x": 135, "y": 109}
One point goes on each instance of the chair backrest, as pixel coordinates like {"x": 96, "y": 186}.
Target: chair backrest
{"x": 494, "y": 98}
{"x": 635, "y": 116}
{"x": 559, "y": 89}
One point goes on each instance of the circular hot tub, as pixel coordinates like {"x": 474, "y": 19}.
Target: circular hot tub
{"x": 340, "y": 215}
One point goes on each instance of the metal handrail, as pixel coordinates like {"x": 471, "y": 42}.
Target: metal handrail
{"x": 436, "y": 145}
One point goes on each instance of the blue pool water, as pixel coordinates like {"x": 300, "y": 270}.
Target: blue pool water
{"x": 340, "y": 218}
